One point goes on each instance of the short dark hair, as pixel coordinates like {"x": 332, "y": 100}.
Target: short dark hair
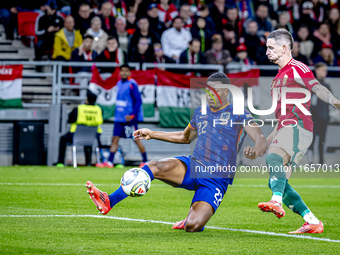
{"x": 281, "y": 34}
{"x": 204, "y": 6}
{"x": 91, "y": 97}
{"x": 143, "y": 17}
{"x": 87, "y": 36}
{"x": 84, "y": 4}
{"x": 303, "y": 26}
{"x": 263, "y": 5}
{"x": 177, "y": 17}
{"x": 183, "y": 5}
{"x": 194, "y": 40}
{"x": 125, "y": 66}
{"x": 111, "y": 37}
{"x": 221, "y": 77}
{"x": 143, "y": 37}
{"x": 324, "y": 23}
{"x": 320, "y": 64}
{"x": 231, "y": 7}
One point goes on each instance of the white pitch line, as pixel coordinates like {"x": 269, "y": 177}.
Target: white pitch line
{"x": 171, "y": 223}
{"x": 162, "y": 185}
{"x": 62, "y": 184}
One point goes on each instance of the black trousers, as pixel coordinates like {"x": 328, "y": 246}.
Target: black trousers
{"x": 68, "y": 138}
{"x": 320, "y": 128}
{"x": 42, "y": 47}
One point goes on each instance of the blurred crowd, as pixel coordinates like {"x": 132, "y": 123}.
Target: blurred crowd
{"x": 166, "y": 31}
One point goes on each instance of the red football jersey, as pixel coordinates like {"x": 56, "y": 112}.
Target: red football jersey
{"x": 298, "y": 75}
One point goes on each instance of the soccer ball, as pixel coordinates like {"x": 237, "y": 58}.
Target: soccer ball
{"x": 135, "y": 182}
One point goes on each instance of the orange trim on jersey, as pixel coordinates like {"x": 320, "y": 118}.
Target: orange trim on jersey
{"x": 191, "y": 127}
{"x": 224, "y": 106}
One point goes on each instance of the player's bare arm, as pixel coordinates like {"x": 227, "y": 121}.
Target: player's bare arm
{"x": 325, "y": 95}
{"x": 173, "y": 137}
{"x": 255, "y": 133}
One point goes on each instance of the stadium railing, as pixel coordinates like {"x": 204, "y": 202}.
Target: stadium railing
{"x": 190, "y": 67}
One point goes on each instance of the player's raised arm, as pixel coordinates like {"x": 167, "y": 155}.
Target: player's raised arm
{"x": 255, "y": 133}
{"x": 173, "y": 137}
{"x": 325, "y": 95}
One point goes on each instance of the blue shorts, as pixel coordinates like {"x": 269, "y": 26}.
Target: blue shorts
{"x": 206, "y": 189}
{"x": 124, "y": 129}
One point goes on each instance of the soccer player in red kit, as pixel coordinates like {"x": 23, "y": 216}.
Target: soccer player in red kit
{"x": 293, "y": 133}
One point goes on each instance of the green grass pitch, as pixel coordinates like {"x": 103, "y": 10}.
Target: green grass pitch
{"x": 33, "y": 192}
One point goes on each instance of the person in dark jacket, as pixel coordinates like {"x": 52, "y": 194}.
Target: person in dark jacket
{"x": 143, "y": 31}
{"x": 218, "y": 12}
{"x": 320, "y": 115}
{"x": 193, "y": 55}
{"x": 112, "y": 53}
{"x": 46, "y": 25}
{"x": 261, "y": 18}
{"x": 155, "y": 24}
{"x": 142, "y": 54}
{"x": 108, "y": 21}
{"x": 251, "y": 40}
{"x": 84, "y": 53}
{"x": 8, "y": 14}
{"x": 83, "y": 20}
{"x": 200, "y": 31}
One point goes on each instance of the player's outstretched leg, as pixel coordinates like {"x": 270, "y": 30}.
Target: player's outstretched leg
{"x": 171, "y": 171}
{"x": 293, "y": 200}
{"x": 103, "y": 202}
{"x": 277, "y": 183}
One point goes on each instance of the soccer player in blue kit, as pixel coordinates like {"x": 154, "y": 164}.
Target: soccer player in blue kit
{"x": 128, "y": 112}
{"x": 217, "y": 146}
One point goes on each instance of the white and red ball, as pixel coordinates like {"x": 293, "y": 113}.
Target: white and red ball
{"x": 135, "y": 182}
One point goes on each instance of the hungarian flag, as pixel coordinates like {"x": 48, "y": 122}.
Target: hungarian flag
{"x": 11, "y": 86}
{"x": 147, "y": 89}
{"x": 173, "y": 99}
{"x": 106, "y": 90}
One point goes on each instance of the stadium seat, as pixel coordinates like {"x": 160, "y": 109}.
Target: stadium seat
{"x": 85, "y": 136}
{"x": 26, "y": 25}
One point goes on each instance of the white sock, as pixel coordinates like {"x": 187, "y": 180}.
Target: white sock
{"x": 311, "y": 219}
{"x": 277, "y": 198}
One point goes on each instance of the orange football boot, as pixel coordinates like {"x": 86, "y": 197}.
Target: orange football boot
{"x": 180, "y": 224}
{"x": 309, "y": 228}
{"x": 272, "y": 206}
{"x": 99, "y": 198}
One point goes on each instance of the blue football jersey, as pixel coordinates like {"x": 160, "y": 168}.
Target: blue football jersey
{"x": 220, "y": 137}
